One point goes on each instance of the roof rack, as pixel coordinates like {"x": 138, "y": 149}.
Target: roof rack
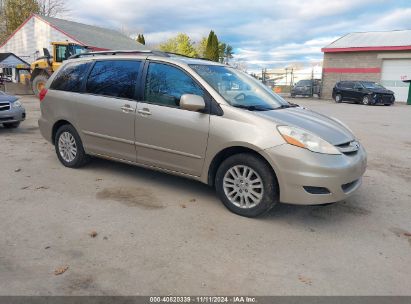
{"x": 120, "y": 52}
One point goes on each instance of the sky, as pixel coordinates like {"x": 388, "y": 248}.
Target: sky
{"x": 263, "y": 33}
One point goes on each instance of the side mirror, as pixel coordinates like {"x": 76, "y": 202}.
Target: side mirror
{"x": 359, "y": 88}
{"x": 192, "y": 102}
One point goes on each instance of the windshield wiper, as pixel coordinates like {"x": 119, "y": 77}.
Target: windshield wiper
{"x": 252, "y": 108}
{"x": 285, "y": 106}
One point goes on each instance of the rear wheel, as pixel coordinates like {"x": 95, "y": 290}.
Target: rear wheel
{"x": 338, "y": 98}
{"x": 246, "y": 185}
{"x": 69, "y": 147}
{"x": 39, "y": 82}
{"x": 11, "y": 125}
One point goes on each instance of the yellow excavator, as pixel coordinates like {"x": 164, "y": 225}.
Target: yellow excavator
{"x": 44, "y": 66}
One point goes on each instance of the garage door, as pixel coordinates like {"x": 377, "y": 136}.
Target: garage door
{"x": 393, "y": 72}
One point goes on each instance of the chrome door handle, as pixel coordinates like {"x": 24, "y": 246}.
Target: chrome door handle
{"x": 144, "y": 111}
{"x": 127, "y": 108}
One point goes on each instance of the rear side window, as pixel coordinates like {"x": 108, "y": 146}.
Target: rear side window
{"x": 347, "y": 85}
{"x": 115, "y": 78}
{"x": 71, "y": 77}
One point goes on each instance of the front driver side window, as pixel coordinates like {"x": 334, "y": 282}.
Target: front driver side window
{"x": 357, "y": 86}
{"x": 166, "y": 84}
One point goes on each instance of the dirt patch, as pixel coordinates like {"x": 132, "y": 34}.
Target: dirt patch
{"x": 388, "y": 167}
{"x": 131, "y": 197}
{"x": 401, "y": 233}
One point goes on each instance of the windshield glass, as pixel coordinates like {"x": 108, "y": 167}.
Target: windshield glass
{"x": 302, "y": 83}
{"x": 372, "y": 85}
{"x": 76, "y": 49}
{"x": 239, "y": 89}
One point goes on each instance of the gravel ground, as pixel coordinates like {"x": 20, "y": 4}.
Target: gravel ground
{"x": 125, "y": 230}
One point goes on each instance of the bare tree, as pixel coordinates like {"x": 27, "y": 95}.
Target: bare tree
{"x": 52, "y": 8}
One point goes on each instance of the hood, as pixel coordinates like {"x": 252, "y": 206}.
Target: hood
{"x": 380, "y": 91}
{"x": 316, "y": 123}
{"x": 9, "y": 98}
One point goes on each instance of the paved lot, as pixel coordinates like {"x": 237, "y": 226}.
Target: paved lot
{"x": 160, "y": 234}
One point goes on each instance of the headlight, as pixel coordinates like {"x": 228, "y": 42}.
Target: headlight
{"x": 303, "y": 139}
{"x": 16, "y": 104}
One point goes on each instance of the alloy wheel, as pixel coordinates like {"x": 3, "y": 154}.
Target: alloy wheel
{"x": 243, "y": 186}
{"x": 67, "y": 146}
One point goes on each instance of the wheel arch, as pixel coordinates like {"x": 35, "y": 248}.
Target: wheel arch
{"x": 56, "y": 126}
{"x": 230, "y": 151}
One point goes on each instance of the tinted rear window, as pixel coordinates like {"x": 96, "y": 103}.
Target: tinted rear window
{"x": 346, "y": 85}
{"x": 116, "y": 78}
{"x": 71, "y": 77}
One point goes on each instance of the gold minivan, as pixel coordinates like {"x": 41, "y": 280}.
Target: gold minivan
{"x": 202, "y": 120}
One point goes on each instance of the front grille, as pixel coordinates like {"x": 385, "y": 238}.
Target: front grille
{"x": 349, "y": 148}
{"x": 4, "y": 106}
{"x": 386, "y": 98}
{"x": 6, "y": 118}
{"x": 349, "y": 186}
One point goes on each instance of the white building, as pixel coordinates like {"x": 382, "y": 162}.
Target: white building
{"x": 37, "y": 32}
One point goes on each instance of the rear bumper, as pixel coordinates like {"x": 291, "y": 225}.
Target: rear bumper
{"x": 13, "y": 115}
{"x": 45, "y": 129}
{"x": 302, "y": 173}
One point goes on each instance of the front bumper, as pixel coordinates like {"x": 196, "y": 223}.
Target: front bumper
{"x": 13, "y": 115}
{"x": 383, "y": 99}
{"x": 302, "y": 173}
{"x": 301, "y": 91}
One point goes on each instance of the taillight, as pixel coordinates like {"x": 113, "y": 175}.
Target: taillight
{"x": 42, "y": 94}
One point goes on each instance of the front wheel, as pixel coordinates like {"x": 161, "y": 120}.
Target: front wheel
{"x": 69, "y": 147}
{"x": 366, "y": 100}
{"x": 338, "y": 98}
{"x": 246, "y": 185}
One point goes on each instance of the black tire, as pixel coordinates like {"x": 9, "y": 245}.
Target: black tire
{"x": 270, "y": 193}
{"x": 11, "y": 125}
{"x": 338, "y": 98}
{"x": 292, "y": 96}
{"x": 366, "y": 100}
{"x": 80, "y": 158}
{"x": 39, "y": 81}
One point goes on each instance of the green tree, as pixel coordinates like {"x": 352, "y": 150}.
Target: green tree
{"x": 181, "y": 44}
{"x": 212, "y": 48}
{"x": 201, "y": 47}
{"x": 212, "y": 51}
{"x": 15, "y": 12}
{"x": 228, "y": 53}
{"x": 215, "y": 49}
{"x": 140, "y": 39}
{"x": 221, "y": 51}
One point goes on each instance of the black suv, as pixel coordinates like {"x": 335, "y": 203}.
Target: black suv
{"x": 307, "y": 87}
{"x": 366, "y": 92}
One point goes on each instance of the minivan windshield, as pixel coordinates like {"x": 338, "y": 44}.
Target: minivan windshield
{"x": 372, "y": 85}
{"x": 303, "y": 83}
{"x": 239, "y": 89}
